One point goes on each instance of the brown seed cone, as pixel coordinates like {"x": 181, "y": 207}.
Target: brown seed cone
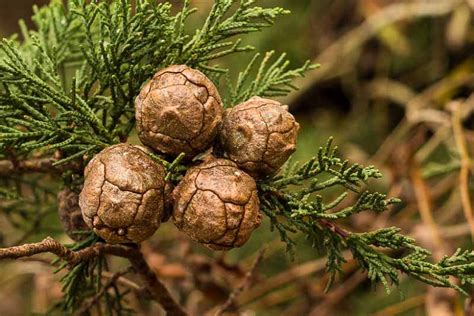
{"x": 217, "y": 204}
{"x": 70, "y": 214}
{"x": 124, "y": 194}
{"x": 259, "y": 135}
{"x": 179, "y": 110}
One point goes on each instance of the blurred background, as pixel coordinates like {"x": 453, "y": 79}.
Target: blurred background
{"x": 395, "y": 89}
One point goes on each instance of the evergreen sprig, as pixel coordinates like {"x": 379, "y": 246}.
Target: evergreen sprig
{"x": 269, "y": 80}
{"x": 293, "y": 204}
{"x": 26, "y": 212}
{"x": 213, "y": 40}
{"x": 67, "y": 90}
{"x": 83, "y": 280}
{"x": 70, "y": 84}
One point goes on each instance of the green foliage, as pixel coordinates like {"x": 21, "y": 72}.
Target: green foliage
{"x": 383, "y": 253}
{"x": 279, "y": 196}
{"x": 71, "y": 84}
{"x": 269, "y": 81}
{"x": 82, "y": 280}
{"x": 212, "y": 41}
{"x": 85, "y": 280}
{"x": 6, "y": 195}
{"x": 24, "y": 203}
{"x": 382, "y": 267}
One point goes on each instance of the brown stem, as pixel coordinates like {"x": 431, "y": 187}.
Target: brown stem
{"x": 462, "y": 147}
{"x": 158, "y": 291}
{"x": 245, "y": 284}
{"x": 32, "y": 165}
{"x": 121, "y": 280}
{"x": 72, "y": 257}
{"x": 46, "y": 245}
{"x": 334, "y": 228}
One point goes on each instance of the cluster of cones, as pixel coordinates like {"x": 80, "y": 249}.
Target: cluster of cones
{"x": 126, "y": 195}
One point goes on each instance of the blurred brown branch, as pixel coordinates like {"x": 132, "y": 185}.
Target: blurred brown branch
{"x": 340, "y": 56}
{"x": 459, "y": 137}
{"x": 245, "y": 284}
{"x": 33, "y": 165}
{"x": 403, "y": 306}
{"x": 8, "y": 167}
{"x": 158, "y": 291}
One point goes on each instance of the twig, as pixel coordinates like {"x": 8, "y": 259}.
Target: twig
{"x": 127, "y": 283}
{"x": 284, "y": 278}
{"x": 465, "y": 164}
{"x": 423, "y": 200}
{"x": 158, "y": 291}
{"x": 246, "y": 282}
{"x": 404, "y": 306}
{"x": 334, "y": 228}
{"x": 33, "y": 165}
{"x": 337, "y": 295}
{"x": 72, "y": 257}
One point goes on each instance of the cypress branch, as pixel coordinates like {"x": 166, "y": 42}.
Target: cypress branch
{"x": 68, "y": 89}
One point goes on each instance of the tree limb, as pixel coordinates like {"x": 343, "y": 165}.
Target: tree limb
{"x": 157, "y": 289}
{"x": 72, "y": 257}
